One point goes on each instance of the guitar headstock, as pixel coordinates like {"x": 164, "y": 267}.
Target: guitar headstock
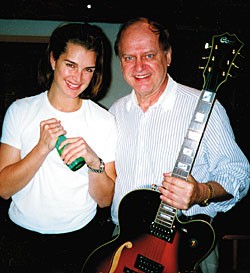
{"x": 224, "y": 50}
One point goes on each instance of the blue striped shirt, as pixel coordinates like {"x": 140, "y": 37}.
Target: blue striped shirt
{"x": 149, "y": 144}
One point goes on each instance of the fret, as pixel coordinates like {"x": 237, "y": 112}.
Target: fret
{"x": 202, "y": 107}
{"x": 184, "y": 158}
{"x": 197, "y": 126}
{"x": 188, "y": 149}
{"x": 164, "y": 221}
{"x": 192, "y": 140}
{"x": 194, "y": 135}
{"x": 182, "y": 167}
{"x": 166, "y": 207}
{"x": 208, "y": 96}
{"x": 178, "y": 173}
{"x": 189, "y": 144}
{"x": 164, "y": 216}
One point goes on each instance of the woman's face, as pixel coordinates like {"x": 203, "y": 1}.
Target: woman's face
{"x": 73, "y": 71}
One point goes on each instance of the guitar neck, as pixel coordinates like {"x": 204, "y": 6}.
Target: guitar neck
{"x": 183, "y": 166}
{"x": 215, "y": 74}
{"x": 190, "y": 146}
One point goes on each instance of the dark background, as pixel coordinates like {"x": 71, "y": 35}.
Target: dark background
{"x": 192, "y": 23}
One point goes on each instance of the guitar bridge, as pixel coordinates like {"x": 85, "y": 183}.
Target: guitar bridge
{"x": 162, "y": 232}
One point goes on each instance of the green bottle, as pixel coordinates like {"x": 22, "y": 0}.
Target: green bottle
{"x": 75, "y": 165}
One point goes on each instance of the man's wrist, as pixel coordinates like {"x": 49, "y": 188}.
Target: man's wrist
{"x": 210, "y": 195}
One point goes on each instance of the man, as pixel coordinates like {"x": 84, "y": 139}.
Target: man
{"x": 152, "y": 123}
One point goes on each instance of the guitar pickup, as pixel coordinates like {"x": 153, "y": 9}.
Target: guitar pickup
{"x": 128, "y": 270}
{"x": 162, "y": 232}
{"x": 147, "y": 265}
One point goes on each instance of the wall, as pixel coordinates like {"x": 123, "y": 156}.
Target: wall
{"x": 43, "y": 29}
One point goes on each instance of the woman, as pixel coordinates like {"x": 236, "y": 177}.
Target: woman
{"x": 53, "y": 209}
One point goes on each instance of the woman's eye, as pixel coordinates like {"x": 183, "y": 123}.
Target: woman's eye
{"x": 91, "y": 70}
{"x": 70, "y": 65}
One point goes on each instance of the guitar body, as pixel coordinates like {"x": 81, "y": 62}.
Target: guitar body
{"x": 136, "y": 249}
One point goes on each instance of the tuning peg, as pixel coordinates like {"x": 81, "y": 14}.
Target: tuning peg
{"x": 242, "y": 56}
{"x": 238, "y": 61}
{"x": 236, "y": 66}
{"x": 203, "y": 59}
{"x": 238, "y": 53}
{"x": 207, "y": 46}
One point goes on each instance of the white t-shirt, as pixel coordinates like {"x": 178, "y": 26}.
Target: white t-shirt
{"x": 56, "y": 200}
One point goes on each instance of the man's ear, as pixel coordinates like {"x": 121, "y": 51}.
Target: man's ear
{"x": 169, "y": 56}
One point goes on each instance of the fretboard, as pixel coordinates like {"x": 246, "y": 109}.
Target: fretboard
{"x": 194, "y": 134}
{"x": 183, "y": 166}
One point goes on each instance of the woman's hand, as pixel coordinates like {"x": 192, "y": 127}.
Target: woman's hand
{"x": 78, "y": 147}
{"x": 50, "y": 130}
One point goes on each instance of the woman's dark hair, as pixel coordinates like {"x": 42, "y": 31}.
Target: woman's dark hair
{"x": 164, "y": 37}
{"x": 90, "y": 37}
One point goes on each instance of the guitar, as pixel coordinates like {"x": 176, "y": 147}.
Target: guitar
{"x": 154, "y": 237}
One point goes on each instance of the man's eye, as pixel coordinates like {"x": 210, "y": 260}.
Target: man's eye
{"x": 128, "y": 58}
{"x": 150, "y": 56}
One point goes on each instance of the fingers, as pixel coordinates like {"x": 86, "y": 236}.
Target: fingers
{"x": 57, "y": 128}
{"x": 50, "y": 130}
{"x": 52, "y": 127}
{"x": 176, "y": 191}
{"x": 75, "y": 147}
{"x": 170, "y": 198}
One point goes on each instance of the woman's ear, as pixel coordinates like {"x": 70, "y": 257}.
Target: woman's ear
{"x": 52, "y": 61}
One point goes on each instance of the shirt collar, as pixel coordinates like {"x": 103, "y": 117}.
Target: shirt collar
{"x": 166, "y": 100}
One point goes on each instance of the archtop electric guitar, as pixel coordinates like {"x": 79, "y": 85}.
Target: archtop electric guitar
{"x": 154, "y": 237}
